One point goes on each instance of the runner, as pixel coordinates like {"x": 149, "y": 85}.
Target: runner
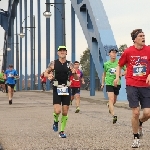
{"x": 2, "y": 81}
{"x": 43, "y": 81}
{"x": 75, "y": 86}
{"x": 61, "y": 90}
{"x": 10, "y": 76}
{"x": 137, "y": 58}
{"x": 108, "y": 78}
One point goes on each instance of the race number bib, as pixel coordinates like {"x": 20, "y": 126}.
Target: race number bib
{"x": 112, "y": 71}
{"x": 10, "y": 75}
{"x": 62, "y": 90}
{"x": 139, "y": 70}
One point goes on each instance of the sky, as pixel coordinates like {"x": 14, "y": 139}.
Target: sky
{"x": 123, "y": 16}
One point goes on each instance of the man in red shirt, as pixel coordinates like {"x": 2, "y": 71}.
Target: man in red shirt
{"x": 43, "y": 81}
{"x": 75, "y": 86}
{"x": 137, "y": 59}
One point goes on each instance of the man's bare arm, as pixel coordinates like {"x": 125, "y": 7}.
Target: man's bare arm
{"x": 5, "y": 76}
{"x": 82, "y": 79}
{"x": 47, "y": 72}
{"x": 49, "y": 69}
{"x": 103, "y": 78}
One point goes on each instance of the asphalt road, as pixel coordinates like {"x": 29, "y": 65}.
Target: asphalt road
{"x": 27, "y": 125}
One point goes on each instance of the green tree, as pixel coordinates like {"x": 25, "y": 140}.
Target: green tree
{"x": 122, "y": 48}
{"x": 85, "y": 62}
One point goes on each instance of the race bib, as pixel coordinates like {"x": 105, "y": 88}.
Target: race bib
{"x": 10, "y": 75}
{"x": 62, "y": 90}
{"x": 139, "y": 70}
{"x": 112, "y": 71}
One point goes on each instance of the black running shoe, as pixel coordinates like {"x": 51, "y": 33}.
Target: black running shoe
{"x": 114, "y": 119}
{"x": 10, "y": 102}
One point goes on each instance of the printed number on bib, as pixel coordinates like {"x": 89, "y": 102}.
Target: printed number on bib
{"x": 139, "y": 70}
{"x": 112, "y": 70}
{"x": 62, "y": 91}
{"x": 9, "y": 75}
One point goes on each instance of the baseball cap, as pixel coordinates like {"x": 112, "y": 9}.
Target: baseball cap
{"x": 113, "y": 50}
{"x": 61, "y": 47}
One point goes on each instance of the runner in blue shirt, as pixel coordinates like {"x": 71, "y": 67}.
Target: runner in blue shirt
{"x": 10, "y": 75}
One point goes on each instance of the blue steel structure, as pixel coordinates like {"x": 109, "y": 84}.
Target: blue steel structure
{"x": 20, "y": 71}
{"x": 95, "y": 26}
{"x": 26, "y": 74}
{"x": 59, "y": 10}
{"x": 73, "y": 34}
{"x": 39, "y": 44}
{"x": 47, "y": 43}
{"x": 31, "y": 45}
{"x": 99, "y": 36}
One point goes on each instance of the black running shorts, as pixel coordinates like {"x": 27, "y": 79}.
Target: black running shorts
{"x": 75, "y": 90}
{"x": 61, "y": 99}
{"x": 110, "y": 88}
{"x": 2, "y": 82}
{"x": 11, "y": 85}
{"x": 138, "y": 96}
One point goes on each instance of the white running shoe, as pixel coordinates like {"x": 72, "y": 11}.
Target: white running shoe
{"x": 136, "y": 143}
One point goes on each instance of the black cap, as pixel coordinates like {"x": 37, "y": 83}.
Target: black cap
{"x": 113, "y": 50}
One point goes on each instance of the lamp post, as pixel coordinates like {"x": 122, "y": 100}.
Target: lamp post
{"x": 48, "y": 14}
{"x": 22, "y": 35}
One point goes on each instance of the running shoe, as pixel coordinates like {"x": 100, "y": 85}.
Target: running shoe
{"x": 136, "y": 143}
{"x": 77, "y": 110}
{"x": 62, "y": 134}
{"x": 114, "y": 119}
{"x": 55, "y": 126}
{"x": 10, "y": 102}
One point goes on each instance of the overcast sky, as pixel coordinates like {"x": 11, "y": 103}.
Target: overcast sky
{"x": 124, "y": 16}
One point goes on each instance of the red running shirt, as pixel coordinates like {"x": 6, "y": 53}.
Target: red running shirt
{"x": 43, "y": 79}
{"x": 76, "y": 83}
{"x": 138, "y": 65}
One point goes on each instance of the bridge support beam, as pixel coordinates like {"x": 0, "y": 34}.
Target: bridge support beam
{"x": 73, "y": 53}
{"x": 47, "y": 43}
{"x": 39, "y": 44}
{"x": 26, "y": 33}
{"x": 92, "y": 77}
{"x": 59, "y": 25}
{"x": 31, "y": 39}
{"x": 20, "y": 80}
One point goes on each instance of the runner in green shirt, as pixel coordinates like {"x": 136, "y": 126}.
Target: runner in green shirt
{"x": 108, "y": 78}
{"x": 2, "y": 81}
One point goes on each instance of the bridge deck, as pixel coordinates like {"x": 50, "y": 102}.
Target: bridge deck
{"x": 27, "y": 125}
